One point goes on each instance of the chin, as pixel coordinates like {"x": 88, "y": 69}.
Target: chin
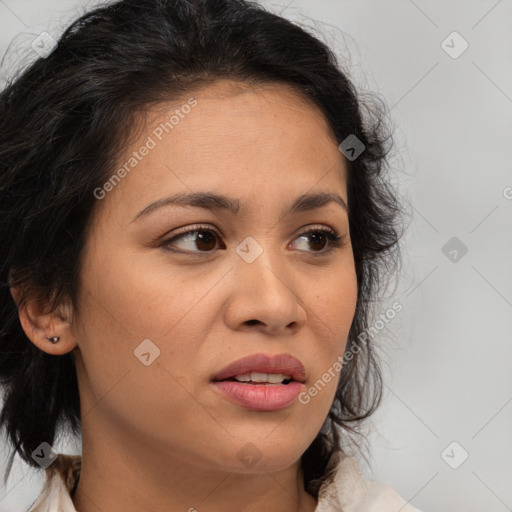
{"x": 253, "y": 459}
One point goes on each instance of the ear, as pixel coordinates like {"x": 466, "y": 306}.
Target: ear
{"x": 40, "y": 322}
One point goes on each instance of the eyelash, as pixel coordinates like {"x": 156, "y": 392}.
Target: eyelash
{"x": 336, "y": 240}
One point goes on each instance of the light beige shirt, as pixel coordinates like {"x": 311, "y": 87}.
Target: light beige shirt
{"x": 346, "y": 491}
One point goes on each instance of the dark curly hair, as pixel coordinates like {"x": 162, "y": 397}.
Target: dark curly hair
{"x": 64, "y": 121}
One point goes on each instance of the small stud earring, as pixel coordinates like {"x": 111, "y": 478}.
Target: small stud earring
{"x": 53, "y": 339}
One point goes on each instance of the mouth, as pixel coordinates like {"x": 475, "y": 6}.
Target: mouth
{"x": 261, "y": 379}
{"x": 264, "y": 369}
{"x": 262, "y": 382}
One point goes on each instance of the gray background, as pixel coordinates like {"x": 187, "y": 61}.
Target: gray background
{"x": 447, "y": 354}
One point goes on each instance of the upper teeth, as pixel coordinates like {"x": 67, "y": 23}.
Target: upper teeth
{"x": 273, "y": 378}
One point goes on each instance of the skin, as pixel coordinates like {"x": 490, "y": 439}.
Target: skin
{"x": 159, "y": 437}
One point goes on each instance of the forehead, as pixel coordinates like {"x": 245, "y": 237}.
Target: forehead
{"x": 258, "y": 142}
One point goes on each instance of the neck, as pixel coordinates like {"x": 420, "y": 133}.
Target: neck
{"x": 131, "y": 476}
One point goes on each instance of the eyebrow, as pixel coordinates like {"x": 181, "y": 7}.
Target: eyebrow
{"x": 219, "y": 202}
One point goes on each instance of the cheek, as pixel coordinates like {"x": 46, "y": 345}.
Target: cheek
{"x": 141, "y": 297}
{"x": 334, "y": 307}
{"x": 125, "y": 301}
{"x": 119, "y": 331}
{"x": 331, "y": 320}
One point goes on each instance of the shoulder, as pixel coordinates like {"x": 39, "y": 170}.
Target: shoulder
{"x": 61, "y": 479}
{"x": 347, "y": 490}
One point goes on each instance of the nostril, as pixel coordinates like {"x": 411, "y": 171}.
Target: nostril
{"x": 252, "y": 322}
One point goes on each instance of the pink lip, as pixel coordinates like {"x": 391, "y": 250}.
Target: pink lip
{"x": 263, "y": 363}
{"x": 262, "y": 397}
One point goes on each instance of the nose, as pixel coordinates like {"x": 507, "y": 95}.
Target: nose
{"x": 266, "y": 296}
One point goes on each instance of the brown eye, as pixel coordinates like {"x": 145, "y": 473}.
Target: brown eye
{"x": 319, "y": 238}
{"x": 198, "y": 240}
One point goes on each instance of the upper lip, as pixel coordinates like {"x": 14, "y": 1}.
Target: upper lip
{"x": 265, "y": 363}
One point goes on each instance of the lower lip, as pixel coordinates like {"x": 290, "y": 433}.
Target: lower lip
{"x": 260, "y": 397}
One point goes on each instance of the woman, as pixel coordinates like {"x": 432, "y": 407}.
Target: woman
{"x": 195, "y": 222}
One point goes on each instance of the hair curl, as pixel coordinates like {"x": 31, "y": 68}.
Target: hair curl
{"x": 63, "y": 123}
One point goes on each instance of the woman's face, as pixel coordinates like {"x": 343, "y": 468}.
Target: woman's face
{"x": 238, "y": 284}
